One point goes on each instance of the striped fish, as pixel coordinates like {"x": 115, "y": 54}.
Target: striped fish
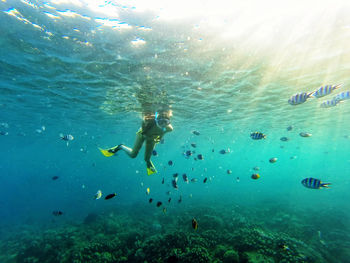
{"x": 342, "y": 96}
{"x": 329, "y": 103}
{"x": 257, "y": 135}
{"x": 299, "y": 98}
{"x": 67, "y": 137}
{"x": 314, "y": 183}
{"x": 325, "y": 90}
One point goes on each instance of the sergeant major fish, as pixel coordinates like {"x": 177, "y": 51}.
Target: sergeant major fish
{"x": 314, "y": 183}
{"x": 342, "y": 96}
{"x": 299, "y": 98}
{"x": 67, "y": 137}
{"x": 257, "y": 135}
{"x": 329, "y": 103}
{"x": 325, "y": 90}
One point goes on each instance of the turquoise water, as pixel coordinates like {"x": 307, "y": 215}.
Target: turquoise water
{"x": 91, "y": 68}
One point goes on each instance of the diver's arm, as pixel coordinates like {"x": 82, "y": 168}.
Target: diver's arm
{"x": 169, "y": 128}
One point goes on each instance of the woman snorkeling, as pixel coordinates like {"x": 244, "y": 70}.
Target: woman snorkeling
{"x": 153, "y": 128}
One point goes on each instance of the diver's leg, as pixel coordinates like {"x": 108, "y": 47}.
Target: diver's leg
{"x": 148, "y": 152}
{"x": 137, "y": 146}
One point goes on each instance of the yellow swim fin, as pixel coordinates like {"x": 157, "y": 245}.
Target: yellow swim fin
{"x": 109, "y": 152}
{"x": 151, "y": 169}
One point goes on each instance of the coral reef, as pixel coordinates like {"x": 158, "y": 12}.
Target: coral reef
{"x": 221, "y": 238}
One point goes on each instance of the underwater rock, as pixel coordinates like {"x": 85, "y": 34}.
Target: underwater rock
{"x": 231, "y": 256}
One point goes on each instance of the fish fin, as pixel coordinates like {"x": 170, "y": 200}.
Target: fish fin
{"x": 108, "y": 152}
{"x": 325, "y": 185}
{"x": 151, "y": 169}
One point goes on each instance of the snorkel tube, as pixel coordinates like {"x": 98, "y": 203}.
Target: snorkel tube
{"x": 156, "y": 115}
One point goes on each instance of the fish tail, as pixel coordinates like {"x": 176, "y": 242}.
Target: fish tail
{"x": 311, "y": 93}
{"x": 325, "y": 185}
{"x": 338, "y": 86}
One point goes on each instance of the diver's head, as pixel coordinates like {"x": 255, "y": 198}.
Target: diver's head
{"x": 162, "y": 118}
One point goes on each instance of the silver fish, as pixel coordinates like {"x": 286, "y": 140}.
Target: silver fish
{"x": 299, "y": 98}
{"x": 325, "y": 90}
{"x": 305, "y": 134}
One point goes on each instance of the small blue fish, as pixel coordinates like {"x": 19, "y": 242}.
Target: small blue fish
{"x": 314, "y": 183}
{"x": 325, "y": 90}
{"x": 174, "y": 183}
{"x": 188, "y": 153}
{"x": 154, "y": 153}
{"x": 342, "y": 96}
{"x": 257, "y": 135}
{"x": 57, "y": 213}
{"x": 329, "y": 103}
{"x": 299, "y": 98}
{"x": 185, "y": 177}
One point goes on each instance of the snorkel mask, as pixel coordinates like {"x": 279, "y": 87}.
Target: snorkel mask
{"x": 161, "y": 122}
